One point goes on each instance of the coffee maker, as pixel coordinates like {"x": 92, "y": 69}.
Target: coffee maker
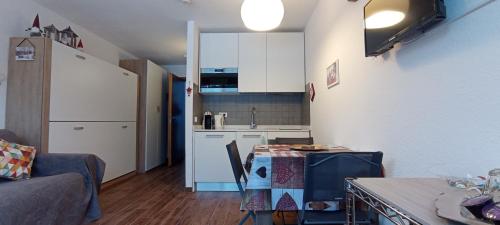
{"x": 208, "y": 121}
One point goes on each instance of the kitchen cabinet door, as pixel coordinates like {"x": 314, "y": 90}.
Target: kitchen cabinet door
{"x": 75, "y": 83}
{"x": 211, "y": 159}
{"x": 113, "y": 142}
{"x": 218, "y": 50}
{"x": 252, "y": 63}
{"x": 247, "y": 140}
{"x": 126, "y": 87}
{"x": 292, "y": 134}
{"x": 285, "y": 62}
{"x": 84, "y": 88}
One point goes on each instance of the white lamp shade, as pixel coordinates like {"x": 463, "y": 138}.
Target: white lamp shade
{"x": 262, "y": 15}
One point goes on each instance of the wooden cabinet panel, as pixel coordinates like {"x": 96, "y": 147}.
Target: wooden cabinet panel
{"x": 113, "y": 142}
{"x": 252, "y": 63}
{"x": 285, "y": 62}
{"x": 218, "y": 50}
{"x": 210, "y": 158}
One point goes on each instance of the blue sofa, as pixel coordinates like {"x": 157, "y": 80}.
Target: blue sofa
{"x": 63, "y": 189}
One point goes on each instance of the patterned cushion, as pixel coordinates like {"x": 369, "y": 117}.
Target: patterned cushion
{"x": 15, "y": 160}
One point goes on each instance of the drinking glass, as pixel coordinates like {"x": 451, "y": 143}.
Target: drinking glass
{"x": 493, "y": 184}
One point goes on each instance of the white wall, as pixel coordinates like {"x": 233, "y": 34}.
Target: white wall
{"x": 178, "y": 70}
{"x": 18, "y": 15}
{"x": 431, "y": 106}
{"x": 193, "y": 36}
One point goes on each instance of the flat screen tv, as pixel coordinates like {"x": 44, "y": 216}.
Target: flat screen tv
{"x": 390, "y": 21}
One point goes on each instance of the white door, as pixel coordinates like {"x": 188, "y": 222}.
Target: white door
{"x": 211, "y": 159}
{"x": 285, "y": 62}
{"x": 247, "y": 140}
{"x": 218, "y": 50}
{"x": 113, "y": 142}
{"x": 154, "y": 155}
{"x": 252, "y": 62}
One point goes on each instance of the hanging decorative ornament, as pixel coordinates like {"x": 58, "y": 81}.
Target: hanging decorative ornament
{"x": 262, "y": 15}
{"x": 35, "y": 28}
{"x": 312, "y": 92}
{"x": 189, "y": 90}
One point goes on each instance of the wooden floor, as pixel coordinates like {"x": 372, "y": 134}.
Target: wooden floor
{"x": 159, "y": 197}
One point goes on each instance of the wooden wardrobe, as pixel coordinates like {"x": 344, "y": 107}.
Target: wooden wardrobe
{"x": 67, "y": 101}
{"x": 151, "y": 117}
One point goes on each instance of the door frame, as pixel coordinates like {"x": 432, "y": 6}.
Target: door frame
{"x": 171, "y": 78}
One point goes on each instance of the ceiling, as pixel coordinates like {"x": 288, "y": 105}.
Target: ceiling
{"x": 156, "y": 29}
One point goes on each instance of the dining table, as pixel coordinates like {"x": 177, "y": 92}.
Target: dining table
{"x": 276, "y": 179}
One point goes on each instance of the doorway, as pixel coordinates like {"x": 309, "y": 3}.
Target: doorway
{"x": 176, "y": 119}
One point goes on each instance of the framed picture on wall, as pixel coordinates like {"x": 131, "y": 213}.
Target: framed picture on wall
{"x": 332, "y": 74}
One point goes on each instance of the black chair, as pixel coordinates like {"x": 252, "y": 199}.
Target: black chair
{"x": 234, "y": 158}
{"x": 325, "y": 175}
{"x": 294, "y": 141}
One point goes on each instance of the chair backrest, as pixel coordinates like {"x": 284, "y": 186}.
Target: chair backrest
{"x": 294, "y": 141}
{"x": 325, "y": 173}
{"x": 238, "y": 171}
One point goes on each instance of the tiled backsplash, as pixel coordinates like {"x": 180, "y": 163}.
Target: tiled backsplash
{"x": 271, "y": 109}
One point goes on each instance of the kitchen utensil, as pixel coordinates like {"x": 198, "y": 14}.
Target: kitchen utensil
{"x": 219, "y": 121}
{"x": 208, "y": 122}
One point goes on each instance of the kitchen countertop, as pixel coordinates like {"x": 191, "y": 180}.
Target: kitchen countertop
{"x": 261, "y": 128}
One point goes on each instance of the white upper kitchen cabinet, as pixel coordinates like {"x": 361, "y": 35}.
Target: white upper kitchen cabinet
{"x": 252, "y": 63}
{"x": 218, "y": 50}
{"x": 285, "y": 62}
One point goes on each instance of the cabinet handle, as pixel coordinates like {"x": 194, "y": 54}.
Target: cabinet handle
{"x": 78, "y": 128}
{"x": 124, "y": 126}
{"x": 252, "y": 136}
{"x": 126, "y": 74}
{"x": 80, "y": 57}
{"x": 214, "y": 136}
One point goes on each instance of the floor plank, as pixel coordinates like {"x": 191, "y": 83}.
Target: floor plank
{"x": 159, "y": 197}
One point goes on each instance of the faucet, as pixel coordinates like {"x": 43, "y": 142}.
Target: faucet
{"x": 253, "y": 123}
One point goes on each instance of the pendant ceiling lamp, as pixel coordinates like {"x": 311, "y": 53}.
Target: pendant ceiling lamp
{"x": 386, "y": 13}
{"x": 262, "y": 15}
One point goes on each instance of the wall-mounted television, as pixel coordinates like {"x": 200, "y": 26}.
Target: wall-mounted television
{"x": 390, "y": 21}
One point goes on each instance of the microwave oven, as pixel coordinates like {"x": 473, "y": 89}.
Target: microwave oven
{"x": 219, "y": 80}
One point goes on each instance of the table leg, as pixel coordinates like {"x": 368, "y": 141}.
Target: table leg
{"x": 350, "y": 208}
{"x": 264, "y": 218}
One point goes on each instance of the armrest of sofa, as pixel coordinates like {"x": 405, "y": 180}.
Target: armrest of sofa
{"x": 89, "y": 166}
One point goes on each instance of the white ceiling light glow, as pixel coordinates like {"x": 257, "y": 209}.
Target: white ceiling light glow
{"x": 386, "y": 13}
{"x": 262, "y": 15}
{"x": 382, "y": 19}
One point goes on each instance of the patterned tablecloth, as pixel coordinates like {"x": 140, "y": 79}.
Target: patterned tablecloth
{"x": 276, "y": 178}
